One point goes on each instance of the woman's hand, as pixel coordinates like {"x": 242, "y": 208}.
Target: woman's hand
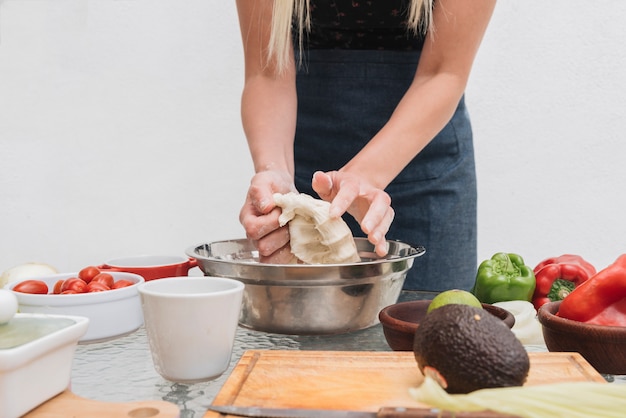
{"x": 259, "y": 216}
{"x": 370, "y": 206}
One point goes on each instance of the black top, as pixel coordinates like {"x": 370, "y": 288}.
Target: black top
{"x": 360, "y": 24}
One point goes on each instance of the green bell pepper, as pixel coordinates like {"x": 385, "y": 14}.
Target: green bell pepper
{"x": 504, "y": 277}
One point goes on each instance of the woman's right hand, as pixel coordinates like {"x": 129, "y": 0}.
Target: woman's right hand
{"x": 259, "y": 216}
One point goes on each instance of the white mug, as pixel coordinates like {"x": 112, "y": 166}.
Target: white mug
{"x": 191, "y": 324}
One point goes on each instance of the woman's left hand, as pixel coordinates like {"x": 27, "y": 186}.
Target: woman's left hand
{"x": 369, "y": 205}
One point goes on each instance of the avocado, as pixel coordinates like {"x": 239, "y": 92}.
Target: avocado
{"x": 466, "y": 348}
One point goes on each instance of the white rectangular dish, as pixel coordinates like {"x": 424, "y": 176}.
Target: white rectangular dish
{"x": 36, "y": 354}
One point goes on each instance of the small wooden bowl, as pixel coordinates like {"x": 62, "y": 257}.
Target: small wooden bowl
{"x": 400, "y": 321}
{"x": 604, "y": 347}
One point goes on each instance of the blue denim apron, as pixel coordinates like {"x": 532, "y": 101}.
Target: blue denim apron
{"x": 344, "y": 98}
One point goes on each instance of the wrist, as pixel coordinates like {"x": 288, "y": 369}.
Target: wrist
{"x": 270, "y": 166}
{"x": 374, "y": 176}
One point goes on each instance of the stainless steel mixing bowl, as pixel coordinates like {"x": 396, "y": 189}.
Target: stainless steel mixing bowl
{"x": 305, "y": 299}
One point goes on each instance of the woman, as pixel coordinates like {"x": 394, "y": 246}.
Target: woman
{"x": 365, "y": 109}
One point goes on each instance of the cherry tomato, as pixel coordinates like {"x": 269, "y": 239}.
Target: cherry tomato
{"x": 105, "y": 278}
{"x": 75, "y": 284}
{"x": 58, "y": 286}
{"x": 122, "y": 283}
{"x": 32, "y": 286}
{"x": 69, "y": 292}
{"x": 95, "y": 286}
{"x": 88, "y": 273}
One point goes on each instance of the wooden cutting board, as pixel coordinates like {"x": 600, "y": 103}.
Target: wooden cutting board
{"x": 68, "y": 404}
{"x": 363, "y": 381}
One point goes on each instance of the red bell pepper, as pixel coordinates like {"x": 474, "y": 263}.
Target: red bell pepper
{"x": 557, "y": 277}
{"x": 600, "y": 300}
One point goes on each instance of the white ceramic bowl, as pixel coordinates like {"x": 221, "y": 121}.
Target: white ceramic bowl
{"x": 45, "y": 360}
{"x": 112, "y": 313}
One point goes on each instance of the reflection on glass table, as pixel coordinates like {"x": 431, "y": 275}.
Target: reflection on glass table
{"x": 121, "y": 370}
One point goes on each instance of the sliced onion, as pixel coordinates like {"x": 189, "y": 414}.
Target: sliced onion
{"x": 527, "y": 328}
{"x": 26, "y": 271}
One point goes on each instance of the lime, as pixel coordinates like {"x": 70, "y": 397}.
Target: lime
{"x": 454, "y": 296}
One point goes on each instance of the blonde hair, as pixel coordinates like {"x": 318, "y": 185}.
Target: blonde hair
{"x": 285, "y": 11}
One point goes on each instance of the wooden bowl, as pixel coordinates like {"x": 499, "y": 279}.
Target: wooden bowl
{"x": 604, "y": 347}
{"x": 400, "y": 321}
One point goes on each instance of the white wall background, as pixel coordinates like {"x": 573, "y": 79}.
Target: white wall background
{"x": 120, "y": 130}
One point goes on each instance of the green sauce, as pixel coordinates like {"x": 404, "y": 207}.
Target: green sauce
{"x": 19, "y": 331}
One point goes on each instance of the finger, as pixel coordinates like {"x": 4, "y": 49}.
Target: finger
{"x": 281, "y": 256}
{"x": 273, "y": 242}
{"x": 261, "y": 198}
{"x": 381, "y": 246}
{"x": 377, "y": 222}
{"x": 322, "y": 183}
{"x": 377, "y": 213}
{"x": 258, "y": 226}
{"x": 347, "y": 192}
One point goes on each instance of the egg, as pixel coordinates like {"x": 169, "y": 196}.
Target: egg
{"x": 8, "y": 306}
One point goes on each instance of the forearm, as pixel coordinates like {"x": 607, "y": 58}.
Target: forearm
{"x": 268, "y": 103}
{"x": 268, "y": 111}
{"x": 424, "y": 110}
{"x": 429, "y": 103}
